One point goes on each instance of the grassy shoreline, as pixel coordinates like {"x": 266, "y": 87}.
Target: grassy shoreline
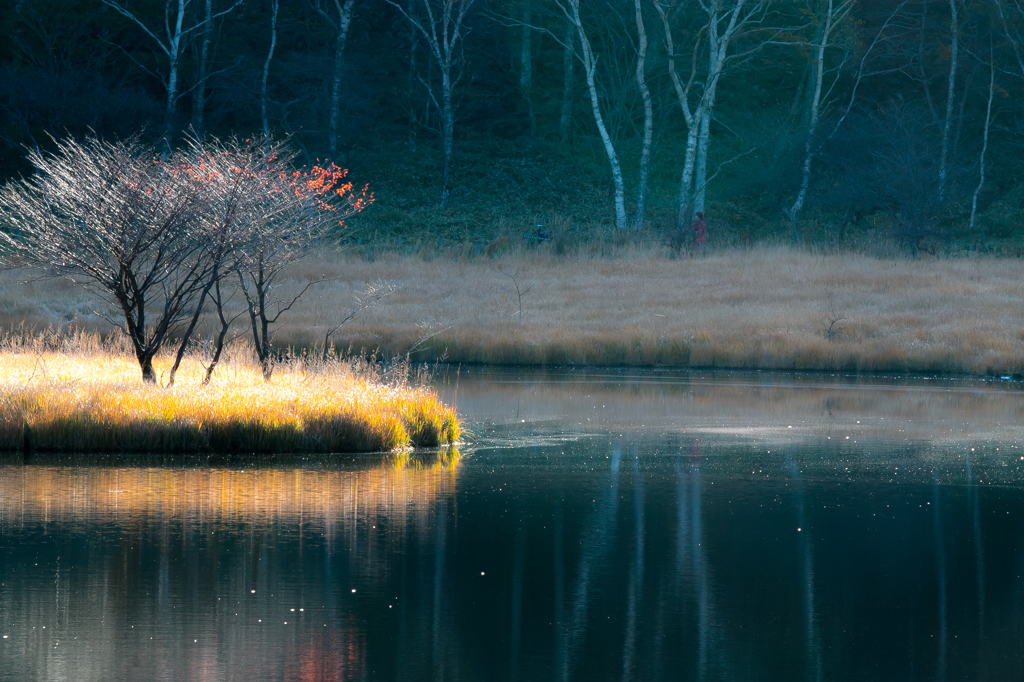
{"x": 95, "y": 402}
{"x": 763, "y": 309}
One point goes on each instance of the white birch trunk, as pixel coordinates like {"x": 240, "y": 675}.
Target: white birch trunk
{"x": 694, "y": 177}
{"x": 590, "y": 67}
{"x": 448, "y": 125}
{"x": 171, "y": 47}
{"x": 274, "y": 5}
{"x": 341, "y": 27}
{"x": 701, "y": 174}
{"x": 443, "y": 32}
{"x": 833, "y": 16}
{"x": 199, "y": 98}
{"x": 526, "y": 66}
{"x": 954, "y": 23}
{"x": 984, "y": 143}
{"x": 173, "y": 54}
{"x": 526, "y": 50}
{"x": 645, "y": 93}
{"x": 568, "y": 81}
{"x": 686, "y": 181}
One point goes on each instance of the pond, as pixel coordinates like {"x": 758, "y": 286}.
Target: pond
{"x": 601, "y": 525}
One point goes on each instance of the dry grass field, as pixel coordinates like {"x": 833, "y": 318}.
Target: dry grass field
{"x": 774, "y": 308}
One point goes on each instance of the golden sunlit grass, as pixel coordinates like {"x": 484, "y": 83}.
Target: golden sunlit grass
{"x": 94, "y": 401}
{"x": 765, "y": 308}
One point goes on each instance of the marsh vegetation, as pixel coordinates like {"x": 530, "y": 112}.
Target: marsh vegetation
{"x": 77, "y": 394}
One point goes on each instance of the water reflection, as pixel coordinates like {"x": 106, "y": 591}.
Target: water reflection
{"x": 656, "y": 554}
{"x": 749, "y": 404}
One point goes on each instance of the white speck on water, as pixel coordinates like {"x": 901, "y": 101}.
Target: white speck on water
{"x": 799, "y": 529}
{"x": 353, "y": 589}
{"x": 481, "y": 572}
{"x": 252, "y": 591}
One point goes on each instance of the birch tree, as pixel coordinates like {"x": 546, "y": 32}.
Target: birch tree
{"x": 199, "y": 93}
{"x": 340, "y": 19}
{"x": 830, "y": 15}
{"x": 721, "y": 22}
{"x": 274, "y": 6}
{"x": 645, "y": 94}
{"x": 954, "y": 49}
{"x": 985, "y": 133}
{"x": 526, "y": 63}
{"x": 444, "y": 31}
{"x": 177, "y": 29}
{"x": 568, "y": 81}
{"x": 589, "y": 59}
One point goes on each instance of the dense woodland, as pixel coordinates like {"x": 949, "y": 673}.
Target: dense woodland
{"x": 874, "y": 124}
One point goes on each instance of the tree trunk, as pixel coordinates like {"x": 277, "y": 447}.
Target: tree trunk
{"x": 344, "y": 21}
{"x": 448, "y": 124}
{"x": 701, "y": 179}
{"x": 568, "y": 82}
{"x": 590, "y": 67}
{"x": 146, "y": 363}
{"x": 274, "y": 5}
{"x": 645, "y": 151}
{"x": 832, "y": 18}
{"x": 219, "y": 344}
{"x": 686, "y": 181}
{"x": 526, "y": 51}
{"x": 984, "y": 143}
{"x": 173, "y": 54}
{"x": 199, "y": 98}
{"x": 954, "y": 23}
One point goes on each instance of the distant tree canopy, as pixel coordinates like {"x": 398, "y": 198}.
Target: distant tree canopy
{"x": 783, "y": 119}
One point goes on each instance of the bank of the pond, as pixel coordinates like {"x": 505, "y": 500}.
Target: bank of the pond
{"x": 765, "y": 309}
{"x": 97, "y": 403}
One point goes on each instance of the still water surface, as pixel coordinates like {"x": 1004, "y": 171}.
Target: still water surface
{"x": 601, "y": 526}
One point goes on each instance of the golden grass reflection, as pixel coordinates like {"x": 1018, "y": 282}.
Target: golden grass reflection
{"x": 398, "y": 487}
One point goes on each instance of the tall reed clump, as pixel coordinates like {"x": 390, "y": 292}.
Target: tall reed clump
{"x": 92, "y": 401}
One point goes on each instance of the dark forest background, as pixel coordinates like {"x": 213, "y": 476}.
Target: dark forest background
{"x": 874, "y": 124}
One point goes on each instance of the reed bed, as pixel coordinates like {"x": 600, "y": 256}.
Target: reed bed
{"x": 768, "y": 308}
{"x": 95, "y": 402}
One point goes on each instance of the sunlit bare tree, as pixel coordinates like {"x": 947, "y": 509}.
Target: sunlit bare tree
{"x": 119, "y": 221}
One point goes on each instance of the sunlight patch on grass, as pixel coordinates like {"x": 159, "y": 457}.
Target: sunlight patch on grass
{"x": 96, "y": 403}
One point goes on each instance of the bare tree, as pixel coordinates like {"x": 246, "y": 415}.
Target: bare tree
{"x": 444, "y": 30}
{"x": 954, "y": 50}
{"x": 374, "y": 294}
{"x": 295, "y": 212}
{"x": 340, "y": 20}
{"x": 526, "y": 63}
{"x": 199, "y": 95}
{"x": 171, "y": 41}
{"x": 721, "y": 22}
{"x": 830, "y": 14}
{"x": 122, "y": 223}
{"x": 568, "y": 81}
{"x": 985, "y": 132}
{"x": 589, "y": 58}
{"x": 274, "y": 6}
{"x": 234, "y": 176}
{"x": 645, "y": 94}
